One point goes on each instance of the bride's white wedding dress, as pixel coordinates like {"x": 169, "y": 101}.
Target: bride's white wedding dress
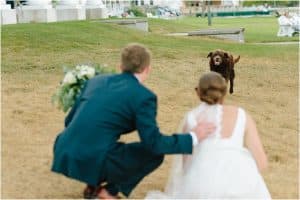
{"x": 219, "y": 167}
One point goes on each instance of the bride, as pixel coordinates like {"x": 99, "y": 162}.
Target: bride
{"x": 225, "y": 165}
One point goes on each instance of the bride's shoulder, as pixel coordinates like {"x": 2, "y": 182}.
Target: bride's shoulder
{"x": 194, "y": 110}
{"x": 191, "y": 114}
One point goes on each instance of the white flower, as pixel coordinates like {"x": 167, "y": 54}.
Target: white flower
{"x": 69, "y": 78}
{"x": 85, "y": 70}
{"x": 78, "y": 67}
{"x": 91, "y": 72}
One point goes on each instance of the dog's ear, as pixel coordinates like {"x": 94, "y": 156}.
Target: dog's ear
{"x": 226, "y": 55}
{"x": 237, "y": 59}
{"x": 210, "y": 54}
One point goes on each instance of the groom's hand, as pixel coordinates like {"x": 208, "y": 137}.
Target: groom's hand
{"x": 203, "y": 129}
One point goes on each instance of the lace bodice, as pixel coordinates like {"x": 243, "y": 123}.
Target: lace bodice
{"x": 214, "y": 114}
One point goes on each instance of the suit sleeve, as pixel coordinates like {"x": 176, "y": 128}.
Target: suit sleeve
{"x": 150, "y": 135}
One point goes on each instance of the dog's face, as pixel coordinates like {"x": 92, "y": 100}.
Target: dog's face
{"x": 218, "y": 57}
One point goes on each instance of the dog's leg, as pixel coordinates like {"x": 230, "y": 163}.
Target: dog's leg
{"x": 232, "y": 75}
{"x": 231, "y": 86}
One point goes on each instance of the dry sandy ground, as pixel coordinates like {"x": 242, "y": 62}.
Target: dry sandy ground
{"x": 266, "y": 89}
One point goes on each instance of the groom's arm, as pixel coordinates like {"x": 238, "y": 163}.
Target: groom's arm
{"x": 150, "y": 134}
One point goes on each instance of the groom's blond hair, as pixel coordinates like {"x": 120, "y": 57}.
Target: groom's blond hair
{"x": 135, "y": 58}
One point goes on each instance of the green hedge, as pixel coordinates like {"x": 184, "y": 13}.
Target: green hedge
{"x": 273, "y": 3}
{"x": 237, "y": 13}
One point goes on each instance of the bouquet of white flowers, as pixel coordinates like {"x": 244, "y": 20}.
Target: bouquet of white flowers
{"x": 73, "y": 82}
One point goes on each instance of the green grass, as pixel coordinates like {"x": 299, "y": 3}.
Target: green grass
{"x": 48, "y": 46}
{"x": 257, "y": 29}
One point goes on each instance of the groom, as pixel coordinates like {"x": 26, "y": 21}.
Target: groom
{"x": 88, "y": 149}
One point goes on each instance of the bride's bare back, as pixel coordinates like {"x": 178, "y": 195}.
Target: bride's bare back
{"x": 252, "y": 140}
{"x": 229, "y": 120}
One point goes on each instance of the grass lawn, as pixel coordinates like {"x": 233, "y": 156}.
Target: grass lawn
{"x": 33, "y": 56}
{"x": 257, "y": 29}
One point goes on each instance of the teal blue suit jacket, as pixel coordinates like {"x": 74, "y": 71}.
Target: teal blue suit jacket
{"x": 109, "y": 107}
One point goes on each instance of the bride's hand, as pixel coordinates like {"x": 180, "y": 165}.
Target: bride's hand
{"x": 203, "y": 129}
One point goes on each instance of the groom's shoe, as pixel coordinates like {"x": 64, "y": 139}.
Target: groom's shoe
{"x": 90, "y": 192}
{"x": 104, "y": 194}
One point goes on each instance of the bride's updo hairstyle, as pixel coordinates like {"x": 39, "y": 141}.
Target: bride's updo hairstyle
{"x": 212, "y": 88}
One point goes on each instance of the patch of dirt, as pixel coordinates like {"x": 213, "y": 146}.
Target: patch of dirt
{"x": 30, "y": 123}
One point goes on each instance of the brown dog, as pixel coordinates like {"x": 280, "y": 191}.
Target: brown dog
{"x": 223, "y": 63}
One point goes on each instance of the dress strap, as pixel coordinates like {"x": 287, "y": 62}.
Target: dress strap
{"x": 239, "y": 129}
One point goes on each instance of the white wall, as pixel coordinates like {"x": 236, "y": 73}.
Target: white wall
{"x": 175, "y": 4}
{"x": 231, "y": 2}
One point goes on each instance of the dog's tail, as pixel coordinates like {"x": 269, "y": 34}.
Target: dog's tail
{"x": 237, "y": 59}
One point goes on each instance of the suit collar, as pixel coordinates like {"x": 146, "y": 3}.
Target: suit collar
{"x": 131, "y": 75}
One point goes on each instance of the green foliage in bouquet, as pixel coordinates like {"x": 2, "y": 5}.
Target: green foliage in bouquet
{"x": 72, "y": 84}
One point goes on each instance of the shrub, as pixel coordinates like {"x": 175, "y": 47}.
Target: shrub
{"x": 137, "y": 12}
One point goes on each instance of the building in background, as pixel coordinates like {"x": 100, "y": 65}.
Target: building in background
{"x": 116, "y": 7}
{"x": 192, "y": 7}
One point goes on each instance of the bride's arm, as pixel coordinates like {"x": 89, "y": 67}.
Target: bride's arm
{"x": 254, "y": 144}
